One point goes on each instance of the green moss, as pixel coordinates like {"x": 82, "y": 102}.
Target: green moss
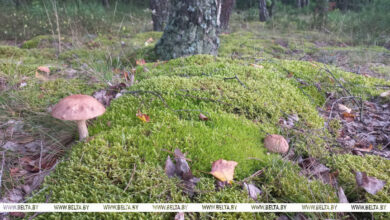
{"x": 83, "y": 55}
{"x": 99, "y": 170}
{"x": 37, "y": 41}
{"x": 382, "y": 70}
{"x": 10, "y": 51}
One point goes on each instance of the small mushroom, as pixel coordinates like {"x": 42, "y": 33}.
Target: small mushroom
{"x": 78, "y": 108}
{"x": 276, "y": 144}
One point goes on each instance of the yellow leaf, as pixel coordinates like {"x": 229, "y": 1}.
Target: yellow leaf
{"x": 223, "y": 170}
{"x": 143, "y": 117}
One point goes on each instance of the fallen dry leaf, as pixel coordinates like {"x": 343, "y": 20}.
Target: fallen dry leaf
{"x": 384, "y": 94}
{"x": 253, "y": 191}
{"x": 170, "y": 168}
{"x": 371, "y": 184}
{"x": 348, "y": 116}
{"x": 143, "y": 117}
{"x": 344, "y": 108}
{"x": 257, "y": 66}
{"x": 140, "y": 62}
{"x": 150, "y": 40}
{"x": 182, "y": 170}
{"x": 342, "y": 197}
{"x": 44, "y": 69}
{"x": 203, "y": 117}
{"x": 223, "y": 170}
{"x": 364, "y": 149}
{"x": 311, "y": 168}
{"x": 179, "y": 216}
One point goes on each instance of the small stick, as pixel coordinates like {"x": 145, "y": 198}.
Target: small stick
{"x": 131, "y": 178}
{"x": 341, "y": 85}
{"x": 40, "y": 157}
{"x": 236, "y": 77}
{"x": 257, "y": 173}
{"x": 2, "y": 168}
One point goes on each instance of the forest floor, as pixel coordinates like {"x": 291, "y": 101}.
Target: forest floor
{"x": 263, "y": 81}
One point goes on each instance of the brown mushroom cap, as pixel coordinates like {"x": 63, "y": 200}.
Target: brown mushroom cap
{"x": 276, "y": 143}
{"x": 77, "y": 107}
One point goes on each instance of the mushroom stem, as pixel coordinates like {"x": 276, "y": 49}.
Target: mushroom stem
{"x": 83, "y": 130}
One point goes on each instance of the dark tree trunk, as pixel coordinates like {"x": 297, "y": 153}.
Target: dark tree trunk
{"x": 271, "y": 8}
{"x": 160, "y": 13}
{"x": 226, "y": 10}
{"x": 298, "y": 3}
{"x": 263, "y": 10}
{"x": 106, "y": 3}
{"x": 191, "y": 29}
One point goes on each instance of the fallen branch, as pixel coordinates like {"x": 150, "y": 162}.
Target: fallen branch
{"x": 236, "y": 77}
{"x": 2, "y": 168}
{"x": 131, "y": 178}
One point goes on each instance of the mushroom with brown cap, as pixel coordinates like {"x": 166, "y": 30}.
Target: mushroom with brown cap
{"x": 276, "y": 143}
{"x": 78, "y": 108}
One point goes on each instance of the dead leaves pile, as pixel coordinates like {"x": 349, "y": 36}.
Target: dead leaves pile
{"x": 364, "y": 129}
{"x": 105, "y": 96}
{"x": 29, "y": 160}
{"x": 313, "y": 169}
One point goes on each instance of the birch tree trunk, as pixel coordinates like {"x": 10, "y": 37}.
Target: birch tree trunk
{"x": 191, "y": 29}
{"x": 263, "y": 10}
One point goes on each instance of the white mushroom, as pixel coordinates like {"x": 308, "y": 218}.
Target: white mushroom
{"x": 78, "y": 108}
{"x": 276, "y": 144}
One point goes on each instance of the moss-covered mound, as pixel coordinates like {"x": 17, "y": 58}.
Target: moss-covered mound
{"x": 243, "y": 103}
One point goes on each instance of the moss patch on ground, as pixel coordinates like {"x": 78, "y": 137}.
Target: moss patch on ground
{"x": 244, "y": 102}
{"x": 173, "y": 94}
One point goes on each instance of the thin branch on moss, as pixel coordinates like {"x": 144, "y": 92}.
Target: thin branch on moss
{"x": 340, "y": 84}
{"x": 131, "y": 177}
{"x": 236, "y": 77}
{"x": 150, "y": 92}
{"x": 202, "y": 98}
{"x": 257, "y": 173}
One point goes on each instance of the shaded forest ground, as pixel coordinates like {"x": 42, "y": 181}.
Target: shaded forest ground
{"x": 264, "y": 80}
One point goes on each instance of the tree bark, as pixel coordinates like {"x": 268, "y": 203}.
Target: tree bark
{"x": 226, "y": 10}
{"x": 191, "y": 29}
{"x": 263, "y": 10}
{"x": 160, "y": 13}
{"x": 298, "y": 3}
{"x": 106, "y": 3}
